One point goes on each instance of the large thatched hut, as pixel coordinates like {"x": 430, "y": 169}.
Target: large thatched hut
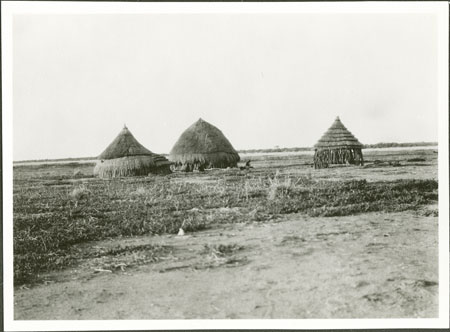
{"x": 125, "y": 156}
{"x": 203, "y": 146}
{"x": 337, "y": 146}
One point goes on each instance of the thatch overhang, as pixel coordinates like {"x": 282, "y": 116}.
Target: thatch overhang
{"x": 203, "y": 145}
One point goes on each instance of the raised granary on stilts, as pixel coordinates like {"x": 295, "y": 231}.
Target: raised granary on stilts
{"x": 125, "y": 156}
{"x": 337, "y": 146}
{"x": 203, "y": 146}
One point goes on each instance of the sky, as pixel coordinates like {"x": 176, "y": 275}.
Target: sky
{"x": 264, "y": 80}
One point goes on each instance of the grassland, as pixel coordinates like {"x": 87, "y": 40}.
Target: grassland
{"x": 57, "y": 207}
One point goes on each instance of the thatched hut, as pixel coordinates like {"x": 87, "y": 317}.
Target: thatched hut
{"x": 337, "y": 146}
{"x": 125, "y": 156}
{"x": 203, "y": 146}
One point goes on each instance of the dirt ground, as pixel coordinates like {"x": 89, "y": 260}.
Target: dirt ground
{"x": 364, "y": 266}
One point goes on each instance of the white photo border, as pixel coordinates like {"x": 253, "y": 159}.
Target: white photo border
{"x": 9, "y": 9}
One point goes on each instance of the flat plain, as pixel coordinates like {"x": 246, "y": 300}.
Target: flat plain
{"x": 280, "y": 240}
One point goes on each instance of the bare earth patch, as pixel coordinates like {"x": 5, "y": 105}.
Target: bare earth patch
{"x": 364, "y": 266}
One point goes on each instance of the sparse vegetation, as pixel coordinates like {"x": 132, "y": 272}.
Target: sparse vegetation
{"x": 54, "y": 210}
{"x": 222, "y": 250}
{"x": 122, "y": 257}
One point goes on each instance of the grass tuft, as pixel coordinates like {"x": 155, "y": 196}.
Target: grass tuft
{"x": 80, "y": 193}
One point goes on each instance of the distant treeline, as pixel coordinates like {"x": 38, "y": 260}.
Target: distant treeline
{"x": 60, "y": 159}
{"x": 398, "y": 145}
{"x": 275, "y": 150}
{"x": 366, "y": 146}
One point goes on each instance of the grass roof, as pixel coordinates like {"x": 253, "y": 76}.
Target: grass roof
{"x": 125, "y": 145}
{"x": 205, "y": 143}
{"x": 125, "y": 156}
{"x": 338, "y": 137}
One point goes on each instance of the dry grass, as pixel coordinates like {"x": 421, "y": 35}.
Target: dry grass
{"x": 53, "y": 211}
{"x": 80, "y": 192}
{"x": 277, "y": 187}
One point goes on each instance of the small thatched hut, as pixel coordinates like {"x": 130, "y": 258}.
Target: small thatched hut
{"x": 203, "y": 146}
{"x": 125, "y": 156}
{"x": 337, "y": 146}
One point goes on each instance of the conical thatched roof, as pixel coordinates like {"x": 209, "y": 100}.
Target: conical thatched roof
{"x": 338, "y": 137}
{"x": 125, "y": 156}
{"x": 202, "y": 142}
{"x": 125, "y": 145}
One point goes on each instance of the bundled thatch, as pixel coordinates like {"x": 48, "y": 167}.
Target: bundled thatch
{"x": 125, "y": 156}
{"x": 203, "y": 146}
{"x": 337, "y": 146}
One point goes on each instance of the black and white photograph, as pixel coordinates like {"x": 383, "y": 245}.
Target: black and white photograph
{"x": 225, "y": 165}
